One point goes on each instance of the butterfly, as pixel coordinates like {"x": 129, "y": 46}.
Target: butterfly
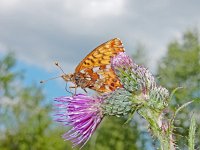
{"x": 94, "y": 71}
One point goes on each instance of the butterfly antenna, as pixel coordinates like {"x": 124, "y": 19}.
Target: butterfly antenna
{"x": 57, "y": 64}
{"x": 43, "y": 81}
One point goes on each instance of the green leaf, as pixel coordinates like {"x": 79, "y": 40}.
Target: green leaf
{"x": 178, "y": 110}
{"x": 191, "y": 140}
{"x": 173, "y": 92}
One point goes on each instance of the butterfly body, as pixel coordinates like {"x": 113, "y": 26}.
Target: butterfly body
{"x": 95, "y": 71}
{"x": 78, "y": 80}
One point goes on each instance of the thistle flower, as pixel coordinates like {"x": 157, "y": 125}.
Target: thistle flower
{"x": 151, "y": 98}
{"x": 139, "y": 82}
{"x": 83, "y": 113}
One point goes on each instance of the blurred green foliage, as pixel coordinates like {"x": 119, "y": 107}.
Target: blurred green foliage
{"x": 25, "y": 121}
{"x": 113, "y": 134}
{"x": 181, "y": 68}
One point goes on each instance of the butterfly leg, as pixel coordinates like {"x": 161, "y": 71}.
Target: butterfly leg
{"x": 68, "y": 90}
{"x": 74, "y": 87}
{"x": 85, "y": 90}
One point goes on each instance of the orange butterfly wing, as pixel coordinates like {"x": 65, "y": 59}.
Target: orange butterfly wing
{"x": 95, "y": 68}
{"x": 101, "y": 55}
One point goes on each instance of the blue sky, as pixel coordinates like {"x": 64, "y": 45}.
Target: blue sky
{"x": 41, "y": 32}
{"x": 33, "y": 75}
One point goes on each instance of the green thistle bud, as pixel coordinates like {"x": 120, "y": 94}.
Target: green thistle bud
{"x": 159, "y": 97}
{"x": 140, "y": 83}
{"x": 117, "y": 103}
{"x": 134, "y": 78}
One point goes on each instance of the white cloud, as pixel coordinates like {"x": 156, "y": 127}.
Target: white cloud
{"x": 41, "y": 32}
{"x": 95, "y": 8}
{"x": 3, "y": 48}
{"x": 7, "y": 5}
{"x": 103, "y": 8}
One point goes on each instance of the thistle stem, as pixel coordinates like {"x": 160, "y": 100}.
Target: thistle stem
{"x": 159, "y": 127}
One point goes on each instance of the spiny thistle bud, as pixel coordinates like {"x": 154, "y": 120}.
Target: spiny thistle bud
{"x": 123, "y": 65}
{"x": 134, "y": 78}
{"x": 144, "y": 78}
{"x": 159, "y": 97}
{"x": 139, "y": 82}
{"x": 117, "y": 103}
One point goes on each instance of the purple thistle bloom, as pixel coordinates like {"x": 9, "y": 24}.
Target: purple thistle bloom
{"x": 122, "y": 61}
{"x": 83, "y": 113}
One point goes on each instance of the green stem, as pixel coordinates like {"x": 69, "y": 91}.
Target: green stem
{"x": 159, "y": 127}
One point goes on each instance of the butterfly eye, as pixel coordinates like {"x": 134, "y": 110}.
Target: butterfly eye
{"x": 76, "y": 78}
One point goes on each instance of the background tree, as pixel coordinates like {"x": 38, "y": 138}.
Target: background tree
{"x": 181, "y": 68}
{"x": 25, "y": 121}
{"x": 114, "y": 134}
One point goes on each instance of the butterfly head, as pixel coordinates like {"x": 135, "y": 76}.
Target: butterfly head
{"x": 68, "y": 77}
